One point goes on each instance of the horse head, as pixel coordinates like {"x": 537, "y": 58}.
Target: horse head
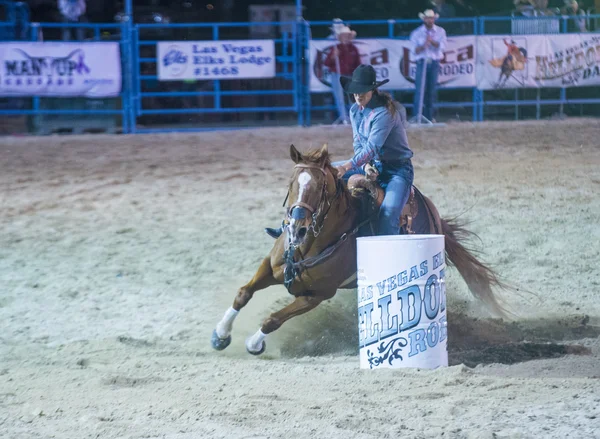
{"x": 312, "y": 186}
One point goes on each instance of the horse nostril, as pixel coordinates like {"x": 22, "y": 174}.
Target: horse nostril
{"x": 302, "y": 232}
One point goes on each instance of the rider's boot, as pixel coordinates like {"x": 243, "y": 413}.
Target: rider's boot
{"x": 275, "y": 233}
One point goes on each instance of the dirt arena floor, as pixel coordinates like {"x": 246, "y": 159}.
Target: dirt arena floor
{"x": 119, "y": 254}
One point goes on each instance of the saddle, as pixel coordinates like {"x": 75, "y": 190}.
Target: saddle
{"x": 366, "y": 186}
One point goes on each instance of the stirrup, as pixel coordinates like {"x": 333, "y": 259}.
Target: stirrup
{"x": 274, "y": 233}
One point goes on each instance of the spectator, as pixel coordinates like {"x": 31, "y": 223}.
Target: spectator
{"x": 337, "y": 25}
{"x": 73, "y": 11}
{"x": 342, "y": 60}
{"x": 578, "y": 21}
{"x": 428, "y": 45}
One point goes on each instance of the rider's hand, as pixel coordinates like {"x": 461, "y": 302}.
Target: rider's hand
{"x": 340, "y": 171}
{"x": 371, "y": 172}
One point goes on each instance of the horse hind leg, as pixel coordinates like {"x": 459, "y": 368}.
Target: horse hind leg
{"x": 221, "y": 336}
{"x": 256, "y": 345}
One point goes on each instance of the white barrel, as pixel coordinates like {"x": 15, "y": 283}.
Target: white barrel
{"x": 402, "y": 301}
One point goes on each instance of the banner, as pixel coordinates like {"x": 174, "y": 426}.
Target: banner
{"x": 392, "y": 59}
{"x": 567, "y": 60}
{"x": 60, "y": 69}
{"x": 183, "y": 60}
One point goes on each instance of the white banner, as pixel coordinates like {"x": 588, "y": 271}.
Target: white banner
{"x": 392, "y": 60}
{"x": 531, "y": 61}
{"x": 183, "y": 60}
{"x": 60, "y": 69}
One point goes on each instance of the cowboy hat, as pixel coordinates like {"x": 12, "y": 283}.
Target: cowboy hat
{"x": 339, "y": 30}
{"x": 364, "y": 79}
{"x": 429, "y": 13}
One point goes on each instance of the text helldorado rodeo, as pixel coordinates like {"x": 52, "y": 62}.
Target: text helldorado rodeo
{"x": 412, "y": 304}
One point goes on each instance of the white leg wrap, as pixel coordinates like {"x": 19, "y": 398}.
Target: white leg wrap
{"x": 254, "y": 343}
{"x": 226, "y": 324}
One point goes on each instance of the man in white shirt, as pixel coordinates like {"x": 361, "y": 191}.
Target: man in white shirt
{"x": 72, "y": 11}
{"x": 428, "y": 45}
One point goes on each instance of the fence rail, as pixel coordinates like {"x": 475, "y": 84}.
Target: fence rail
{"x": 149, "y": 105}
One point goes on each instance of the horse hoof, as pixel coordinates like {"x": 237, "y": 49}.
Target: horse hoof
{"x": 219, "y": 343}
{"x": 262, "y": 349}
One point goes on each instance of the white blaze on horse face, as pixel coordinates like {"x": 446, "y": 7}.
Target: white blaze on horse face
{"x": 294, "y": 225}
{"x": 303, "y": 181}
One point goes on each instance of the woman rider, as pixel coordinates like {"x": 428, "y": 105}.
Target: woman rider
{"x": 378, "y": 126}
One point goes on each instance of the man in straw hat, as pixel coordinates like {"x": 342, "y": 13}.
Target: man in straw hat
{"x": 342, "y": 59}
{"x": 378, "y": 128}
{"x": 429, "y": 43}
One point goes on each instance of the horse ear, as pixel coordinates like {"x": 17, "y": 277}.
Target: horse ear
{"x": 295, "y": 154}
{"x": 324, "y": 153}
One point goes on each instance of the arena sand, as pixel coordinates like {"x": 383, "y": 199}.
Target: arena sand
{"x": 118, "y": 255}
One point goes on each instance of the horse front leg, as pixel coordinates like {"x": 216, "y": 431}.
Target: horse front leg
{"x": 221, "y": 336}
{"x": 256, "y": 343}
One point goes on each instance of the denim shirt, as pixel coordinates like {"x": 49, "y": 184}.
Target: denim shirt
{"x": 378, "y": 135}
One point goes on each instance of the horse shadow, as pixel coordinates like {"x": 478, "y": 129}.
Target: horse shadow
{"x": 471, "y": 341}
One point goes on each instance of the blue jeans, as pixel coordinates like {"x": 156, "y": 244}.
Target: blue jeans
{"x": 430, "y": 91}
{"x": 339, "y": 97}
{"x": 396, "y": 180}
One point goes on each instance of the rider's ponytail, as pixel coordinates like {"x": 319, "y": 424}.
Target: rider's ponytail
{"x": 389, "y": 101}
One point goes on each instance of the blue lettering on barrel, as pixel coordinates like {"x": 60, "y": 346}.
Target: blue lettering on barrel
{"x": 432, "y": 291}
{"x": 388, "y": 326}
{"x": 392, "y": 283}
{"x": 381, "y": 287}
{"x": 443, "y": 329}
{"x": 442, "y": 290}
{"x": 402, "y": 278}
{"x": 433, "y": 334}
{"x": 438, "y": 260}
{"x": 417, "y": 342}
{"x": 414, "y": 273}
{"x": 405, "y": 307}
{"x": 364, "y": 317}
{"x": 411, "y": 304}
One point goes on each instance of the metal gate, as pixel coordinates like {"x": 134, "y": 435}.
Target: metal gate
{"x": 187, "y": 105}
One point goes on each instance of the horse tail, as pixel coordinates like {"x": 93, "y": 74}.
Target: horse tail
{"x": 479, "y": 277}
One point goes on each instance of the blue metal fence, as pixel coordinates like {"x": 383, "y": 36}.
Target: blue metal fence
{"x": 155, "y": 102}
{"x": 68, "y": 108}
{"x": 149, "y": 105}
{"x": 14, "y": 20}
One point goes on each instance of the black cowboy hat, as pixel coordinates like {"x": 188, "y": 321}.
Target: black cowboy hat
{"x": 364, "y": 79}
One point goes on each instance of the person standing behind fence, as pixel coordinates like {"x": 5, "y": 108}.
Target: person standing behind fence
{"x": 578, "y": 23}
{"x": 342, "y": 60}
{"x": 72, "y": 11}
{"x": 428, "y": 45}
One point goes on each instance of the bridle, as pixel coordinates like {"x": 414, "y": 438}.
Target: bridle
{"x": 323, "y": 200}
{"x": 292, "y": 268}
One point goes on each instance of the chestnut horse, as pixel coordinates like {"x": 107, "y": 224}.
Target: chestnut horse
{"x": 316, "y": 254}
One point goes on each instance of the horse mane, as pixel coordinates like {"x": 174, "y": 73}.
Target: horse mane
{"x": 318, "y": 156}
{"x": 321, "y": 157}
